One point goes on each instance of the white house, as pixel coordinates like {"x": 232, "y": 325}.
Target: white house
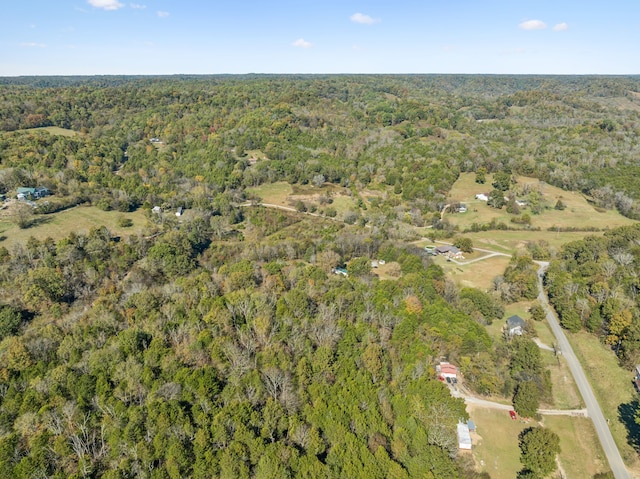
{"x": 482, "y": 197}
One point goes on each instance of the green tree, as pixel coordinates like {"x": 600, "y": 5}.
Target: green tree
{"x": 10, "y": 320}
{"x": 539, "y": 447}
{"x": 464, "y": 244}
{"x": 501, "y": 181}
{"x": 526, "y": 400}
{"x": 359, "y": 267}
{"x": 537, "y": 312}
{"x": 22, "y": 215}
{"x": 481, "y": 175}
{"x": 496, "y": 199}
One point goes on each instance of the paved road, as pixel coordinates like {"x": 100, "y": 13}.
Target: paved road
{"x": 595, "y": 413}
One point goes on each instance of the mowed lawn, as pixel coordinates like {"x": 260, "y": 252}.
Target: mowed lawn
{"x": 479, "y": 274}
{"x": 496, "y": 451}
{"x": 614, "y": 390}
{"x": 577, "y": 214}
{"x": 79, "y": 220}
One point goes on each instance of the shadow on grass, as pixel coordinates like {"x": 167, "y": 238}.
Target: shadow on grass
{"x": 627, "y": 413}
{"x": 39, "y": 221}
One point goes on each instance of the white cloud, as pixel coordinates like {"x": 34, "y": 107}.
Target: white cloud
{"x": 302, "y": 43}
{"x": 163, "y": 14}
{"x": 137, "y": 6}
{"x": 33, "y": 45}
{"x": 533, "y": 25}
{"x": 561, "y": 27}
{"x": 106, "y": 4}
{"x": 363, "y": 19}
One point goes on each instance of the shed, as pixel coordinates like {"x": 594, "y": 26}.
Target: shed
{"x": 515, "y": 325}
{"x": 471, "y": 425}
{"x": 464, "y": 436}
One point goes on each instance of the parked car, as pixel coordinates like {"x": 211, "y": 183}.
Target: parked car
{"x": 513, "y": 415}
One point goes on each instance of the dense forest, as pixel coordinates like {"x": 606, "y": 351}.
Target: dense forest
{"x": 412, "y": 133}
{"x": 221, "y": 344}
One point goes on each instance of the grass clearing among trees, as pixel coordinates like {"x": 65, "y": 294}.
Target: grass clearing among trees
{"x": 79, "y": 220}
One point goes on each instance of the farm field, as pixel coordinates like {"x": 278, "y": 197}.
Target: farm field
{"x": 79, "y": 220}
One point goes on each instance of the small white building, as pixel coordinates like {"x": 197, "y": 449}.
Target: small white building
{"x": 464, "y": 437}
{"x": 482, "y": 197}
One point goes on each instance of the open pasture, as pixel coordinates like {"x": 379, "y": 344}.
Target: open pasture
{"x": 59, "y": 225}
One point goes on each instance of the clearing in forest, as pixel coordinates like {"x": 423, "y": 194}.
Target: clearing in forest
{"x": 284, "y": 194}
{"x": 54, "y": 130}
{"x": 79, "y": 219}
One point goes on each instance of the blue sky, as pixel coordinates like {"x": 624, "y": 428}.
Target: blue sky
{"x": 90, "y": 37}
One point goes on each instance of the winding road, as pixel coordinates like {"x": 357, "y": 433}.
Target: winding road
{"x": 593, "y": 408}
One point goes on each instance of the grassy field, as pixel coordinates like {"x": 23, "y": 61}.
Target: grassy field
{"x": 79, "y": 219}
{"x": 581, "y": 455}
{"x": 475, "y": 275}
{"x": 54, "y": 130}
{"x": 496, "y": 444}
{"x": 284, "y": 194}
{"x": 578, "y": 213}
{"x": 614, "y": 391}
{"x": 511, "y": 241}
{"x": 273, "y": 193}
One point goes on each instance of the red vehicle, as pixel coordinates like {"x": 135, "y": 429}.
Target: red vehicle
{"x": 513, "y": 415}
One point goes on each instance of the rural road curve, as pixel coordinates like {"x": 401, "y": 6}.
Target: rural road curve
{"x": 593, "y": 408}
